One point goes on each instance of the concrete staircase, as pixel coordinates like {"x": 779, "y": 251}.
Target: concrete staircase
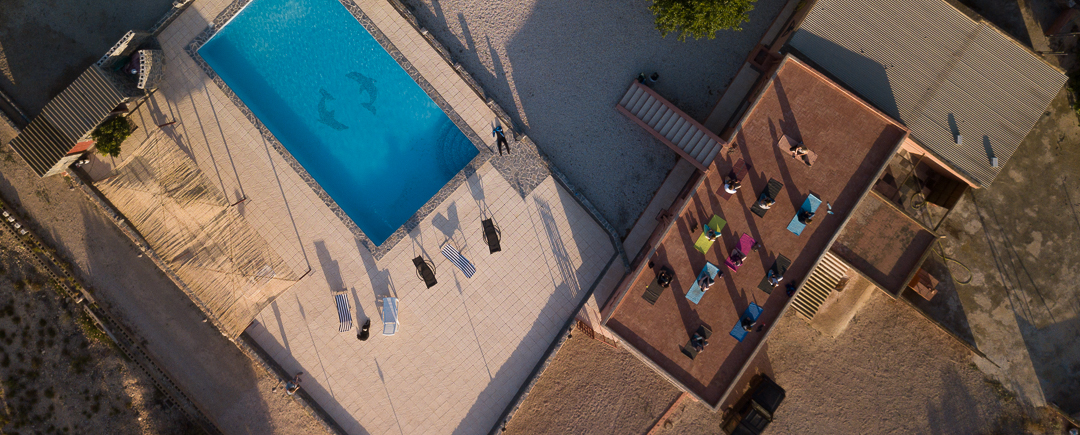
{"x": 683, "y": 134}
{"x": 823, "y": 279}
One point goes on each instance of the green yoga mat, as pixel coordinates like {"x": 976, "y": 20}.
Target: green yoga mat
{"x": 703, "y": 243}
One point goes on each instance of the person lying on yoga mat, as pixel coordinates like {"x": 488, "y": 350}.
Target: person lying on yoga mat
{"x": 806, "y": 217}
{"x": 706, "y": 281}
{"x": 774, "y": 278}
{"x": 731, "y": 185}
{"x": 765, "y": 202}
{"x": 698, "y": 342}
{"x": 799, "y": 150}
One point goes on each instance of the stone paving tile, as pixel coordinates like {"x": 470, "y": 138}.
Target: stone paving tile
{"x": 466, "y": 345}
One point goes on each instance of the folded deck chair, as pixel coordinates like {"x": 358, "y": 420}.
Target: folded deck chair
{"x": 451, "y": 253}
{"x": 492, "y": 235}
{"x": 745, "y": 243}
{"x": 780, "y": 267}
{"x": 344, "y": 312}
{"x": 738, "y": 171}
{"x": 688, "y": 349}
{"x": 752, "y": 312}
{"x": 771, "y": 191}
{"x": 703, "y": 243}
{"x": 425, "y": 270}
{"x": 811, "y": 205}
{"x": 695, "y": 293}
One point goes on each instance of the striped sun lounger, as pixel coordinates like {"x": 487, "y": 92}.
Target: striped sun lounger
{"x": 344, "y": 312}
{"x": 451, "y": 253}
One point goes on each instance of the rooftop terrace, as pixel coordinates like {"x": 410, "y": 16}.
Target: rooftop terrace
{"x": 853, "y": 142}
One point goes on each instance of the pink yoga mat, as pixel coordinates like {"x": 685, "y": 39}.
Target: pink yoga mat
{"x": 745, "y": 243}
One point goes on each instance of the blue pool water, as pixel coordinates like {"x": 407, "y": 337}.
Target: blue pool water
{"x": 345, "y": 109}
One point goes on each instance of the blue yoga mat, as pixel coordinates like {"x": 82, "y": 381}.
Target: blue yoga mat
{"x": 753, "y": 312}
{"x": 811, "y": 205}
{"x": 695, "y": 293}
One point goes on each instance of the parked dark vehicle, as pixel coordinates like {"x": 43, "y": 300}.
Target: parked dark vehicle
{"x": 753, "y": 413}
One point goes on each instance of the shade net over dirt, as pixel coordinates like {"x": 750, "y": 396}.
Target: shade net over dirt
{"x": 231, "y": 270}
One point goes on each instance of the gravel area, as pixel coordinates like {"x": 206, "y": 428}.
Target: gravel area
{"x": 592, "y": 387}
{"x": 889, "y": 372}
{"x": 559, "y": 68}
{"x": 60, "y": 374}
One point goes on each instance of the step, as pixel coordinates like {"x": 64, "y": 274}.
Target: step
{"x": 658, "y": 117}
{"x": 669, "y": 124}
{"x": 651, "y": 110}
{"x": 712, "y": 155}
{"x": 636, "y": 107}
{"x": 689, "y": 140}
{"x": 678, "y": 130}
{"x": 631, "y": 93}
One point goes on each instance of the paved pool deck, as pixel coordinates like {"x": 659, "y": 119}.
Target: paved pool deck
{"x": 466, "y": 345}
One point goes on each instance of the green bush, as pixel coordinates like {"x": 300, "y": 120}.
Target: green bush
{"x": 700, "y": 18}
{"x": 110, "y": 134}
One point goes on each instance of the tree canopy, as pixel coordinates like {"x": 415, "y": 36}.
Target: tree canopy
{"x": 700, "y": 18}
{"x": 110, "y": 134}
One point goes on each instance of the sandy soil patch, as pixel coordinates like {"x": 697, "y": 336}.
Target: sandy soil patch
{"x": 591, "y": 387}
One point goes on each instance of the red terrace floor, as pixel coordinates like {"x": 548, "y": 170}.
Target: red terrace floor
{"x": 853, "y": 143}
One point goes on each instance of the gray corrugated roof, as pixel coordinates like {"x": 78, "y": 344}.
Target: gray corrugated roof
{"x": 937, "y": 71}
{"x": 66, "y": 119}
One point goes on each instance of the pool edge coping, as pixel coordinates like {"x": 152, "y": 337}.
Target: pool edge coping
{"x": 378, "y": 251}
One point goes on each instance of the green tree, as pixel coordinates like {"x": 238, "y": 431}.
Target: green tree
{"x": 700, "y": 18}
{"x": 110, "y": 134}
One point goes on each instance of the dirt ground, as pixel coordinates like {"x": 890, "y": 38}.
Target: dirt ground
{"x": 60, "y": 374}
{"x": 592, "y": 387}
{"x": 889, "y": 371}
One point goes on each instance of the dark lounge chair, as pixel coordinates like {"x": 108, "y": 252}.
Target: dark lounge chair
{"x": 425, "y": 270}
{"x": 492, "y": 235}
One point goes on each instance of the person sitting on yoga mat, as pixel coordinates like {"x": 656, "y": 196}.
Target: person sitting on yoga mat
{"x": 765, "y": 202}
{"x": 747, "y": 324}
{"x": 664, "y": 278}
{"x": 698, "y": 342}
{"x": 737, "y": 257}
{"x": 732, "y": 185}
{"x": 712, "y": 235}
{"x": 774, "y": 278}
{"x": 806, "y": 217}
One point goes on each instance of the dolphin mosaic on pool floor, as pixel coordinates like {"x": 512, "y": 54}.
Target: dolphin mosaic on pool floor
{"x": 524, "y": 169}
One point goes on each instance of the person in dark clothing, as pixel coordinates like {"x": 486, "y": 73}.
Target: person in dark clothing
{"x": 806, "y": 217}
{"x": 747, "y": 324}
{"x": 500, "y": 139}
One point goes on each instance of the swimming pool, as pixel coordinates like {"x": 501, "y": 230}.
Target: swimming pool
{"x": 342, "y": 106}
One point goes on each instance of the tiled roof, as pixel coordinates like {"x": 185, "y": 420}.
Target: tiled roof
{"x": 936, "y": 70}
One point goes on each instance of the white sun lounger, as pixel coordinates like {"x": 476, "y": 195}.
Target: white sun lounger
{"x": 390, "y": 316}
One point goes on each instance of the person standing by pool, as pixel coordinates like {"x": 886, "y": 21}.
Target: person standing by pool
{"x": 500, "y": 139}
